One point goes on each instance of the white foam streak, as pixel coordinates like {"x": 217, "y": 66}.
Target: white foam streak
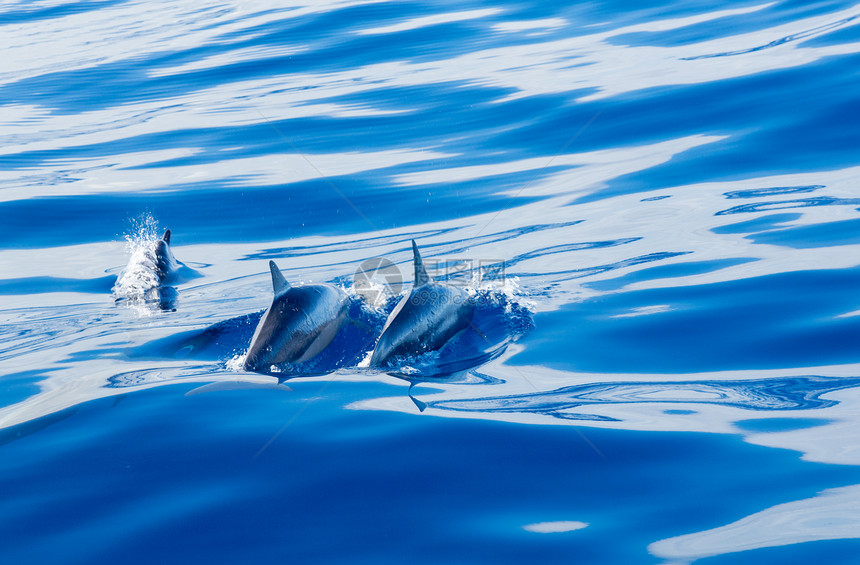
{"x": 555, "y": 527}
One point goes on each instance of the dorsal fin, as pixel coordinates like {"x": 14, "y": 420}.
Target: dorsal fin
{"x": 421, "y": 276}
{"x": 166, "y": 237}
{"x": 279, "y": 283}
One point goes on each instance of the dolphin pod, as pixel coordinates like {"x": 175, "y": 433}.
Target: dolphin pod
{"x": 303, "y": 320}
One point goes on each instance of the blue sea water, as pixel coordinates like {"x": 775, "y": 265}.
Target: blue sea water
{"x": 669, "y": 369}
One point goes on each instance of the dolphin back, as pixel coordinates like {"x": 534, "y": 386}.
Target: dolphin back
{"x": 300, "y": 323}
{"x": 424, "y": 321}
{"x": 150, "y": 269}
{"x": 166, "y": 264}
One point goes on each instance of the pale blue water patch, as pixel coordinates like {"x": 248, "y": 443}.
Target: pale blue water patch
{"x": 663, "y": 367}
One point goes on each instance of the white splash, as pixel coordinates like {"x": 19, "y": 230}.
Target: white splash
{"x": 237, "y": 363}
{"x": 140, "y": 276}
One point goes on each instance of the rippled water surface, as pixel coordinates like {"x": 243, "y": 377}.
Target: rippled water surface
{"x": 655, "y": 208}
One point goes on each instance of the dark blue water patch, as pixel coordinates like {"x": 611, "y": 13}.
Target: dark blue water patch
{"x": 655, "y": 198}
{"x": 828, "y": 234}
{"x": 760, "y": 224}
{"x": 797, "y": 137}
{"x": 220, "y": 341}
{"x": 771, "y": 191}
{"x": 41, "y": 285}
{"x": 780, "y": 424}
{"x": 819, "y": 551}
{"x": 679, "y": 412}
{"x": 17, "y": 387}
{"x": 769, "y": 322}
{"x": 18, "y": 431}
{"x": 686, "y": 269}
{"x": 219, "y": 211}
{"x": 372, "y": 487}
{"x": 29, "y": 15}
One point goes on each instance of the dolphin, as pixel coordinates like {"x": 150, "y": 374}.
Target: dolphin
{"x": 299, "y": 324}
{"x": 150, "y": 270}
{"x": 425, "y": 320}
{"x": 166, "y": 265}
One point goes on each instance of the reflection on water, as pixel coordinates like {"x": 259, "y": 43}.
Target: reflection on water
{"x": 790, "y": 204}
{"x": 831, "y": 515}
{"x": 797, "y": 393}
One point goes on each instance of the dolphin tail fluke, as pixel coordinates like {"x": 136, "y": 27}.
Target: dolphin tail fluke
{"x": 279, "y": 283}
{"x": 166, "y": 237}
{"x": 422, "y": 406}
{"x": 421, "y": 276}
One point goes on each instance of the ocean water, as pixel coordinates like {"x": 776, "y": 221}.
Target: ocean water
{"x": 656, "y": 207}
